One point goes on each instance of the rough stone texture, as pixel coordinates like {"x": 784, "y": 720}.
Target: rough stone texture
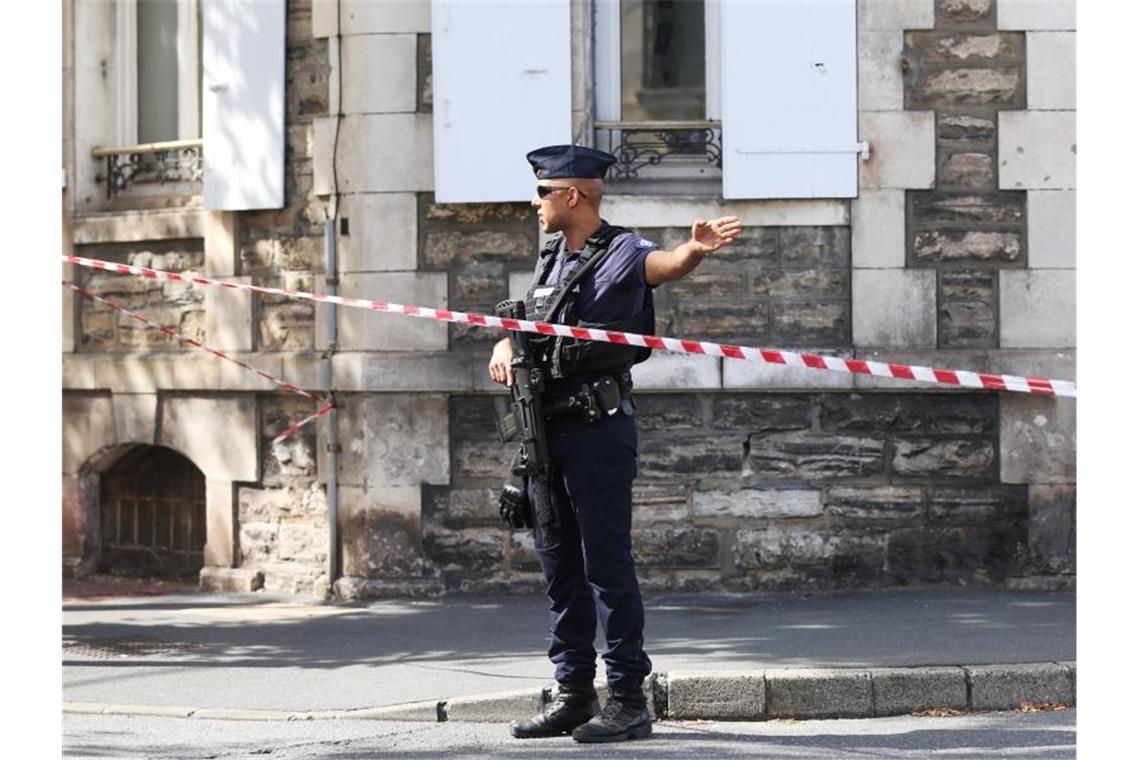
{"x": 902, "y": 504}
{"x": 967, "y": 314}
{"x": 1005, "y": 687}
{"x": 1037, "y": 150}
{"x": 893, "y": 307}
{"x": 949, "y": 12}
{"x": 812, "y": 694}
{"x": 972, "y": 247}
{"x": 973, "y": 171}
{"x": 1052, "y": 527}
{"x": 176, "y": 306}
{"x": 723, "y": 695}
{"x": 676, "y": 547}
{"x": 898, "y": 691}
{"x": 380, "y": 531}
{"x": 935, "y": 458}
{"x": 1038, "y": 308}
{"x": 1038, "y": 441}
{"x": 761, "y": 413}
{"x": 802, "y": 457}
{"x": 88, "y": 427}
{"x": 757, "y": 504}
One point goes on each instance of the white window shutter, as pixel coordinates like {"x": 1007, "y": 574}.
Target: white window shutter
{"x": 500, "y": 88}
{"x": 790, "y": 126}
{"x": 243, "y": 103}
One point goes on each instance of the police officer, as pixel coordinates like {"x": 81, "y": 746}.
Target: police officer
{"x": 588, "y": 563}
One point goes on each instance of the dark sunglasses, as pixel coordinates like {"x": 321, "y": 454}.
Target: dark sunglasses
{"x": 545, "y": 190}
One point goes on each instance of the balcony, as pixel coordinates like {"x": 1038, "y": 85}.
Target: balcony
{"x": 682, "y": 157}
{"x": 162, "y": 173}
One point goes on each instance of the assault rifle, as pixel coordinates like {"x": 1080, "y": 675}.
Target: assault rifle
{"x": 526, "y": 421}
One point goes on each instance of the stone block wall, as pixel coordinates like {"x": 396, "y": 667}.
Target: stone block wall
{"x": 747, "y": 491}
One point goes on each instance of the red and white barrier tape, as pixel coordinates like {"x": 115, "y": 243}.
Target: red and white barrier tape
{"x": 198, "y": 344}
{"x": 962, "y": 378}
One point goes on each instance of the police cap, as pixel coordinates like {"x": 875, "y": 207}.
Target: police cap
{"x": 555, "y": 161}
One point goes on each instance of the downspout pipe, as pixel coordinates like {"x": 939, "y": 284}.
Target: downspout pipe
{"x": 332, "y": 446}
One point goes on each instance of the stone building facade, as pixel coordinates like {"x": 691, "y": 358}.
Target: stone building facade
{"x": 958, "y": 252}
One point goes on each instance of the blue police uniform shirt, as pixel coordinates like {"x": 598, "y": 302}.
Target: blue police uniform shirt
{"x": 617, "y": 288}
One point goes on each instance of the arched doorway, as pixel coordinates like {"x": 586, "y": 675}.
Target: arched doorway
{"x": 152, "y": 514}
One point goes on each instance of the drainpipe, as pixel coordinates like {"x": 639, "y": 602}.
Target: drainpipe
{"x": 332, "y": 447}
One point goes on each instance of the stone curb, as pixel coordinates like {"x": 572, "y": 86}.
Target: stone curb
{"x": 797, "y": 693}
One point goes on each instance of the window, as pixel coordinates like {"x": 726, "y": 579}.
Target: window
{"x": 656, "y": 90}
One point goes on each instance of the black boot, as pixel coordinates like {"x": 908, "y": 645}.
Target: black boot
{"x": 569, "y": 708}
{"x": 624, "y": 717}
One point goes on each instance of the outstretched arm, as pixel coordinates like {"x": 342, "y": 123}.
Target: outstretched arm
{"x": 707, "y": 237}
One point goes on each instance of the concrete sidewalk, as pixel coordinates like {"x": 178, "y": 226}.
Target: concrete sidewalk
{"x": 483, "y": 658}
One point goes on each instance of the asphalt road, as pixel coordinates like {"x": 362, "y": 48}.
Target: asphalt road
{"x": 978, "y": 736}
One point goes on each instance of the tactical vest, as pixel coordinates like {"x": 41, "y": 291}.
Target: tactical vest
{"x": 570, "y": 357}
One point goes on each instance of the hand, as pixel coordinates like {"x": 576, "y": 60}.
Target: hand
{"x": 500, "y": 366}
{"x": 712, "y": 236}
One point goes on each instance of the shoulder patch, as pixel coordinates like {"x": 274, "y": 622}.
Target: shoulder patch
{"x": 643, "y": 243}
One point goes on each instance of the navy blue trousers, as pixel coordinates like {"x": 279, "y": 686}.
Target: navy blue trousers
{"x": 588, "y": 563}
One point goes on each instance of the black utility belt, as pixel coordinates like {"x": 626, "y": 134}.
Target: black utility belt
{"x": 595, "y": 398}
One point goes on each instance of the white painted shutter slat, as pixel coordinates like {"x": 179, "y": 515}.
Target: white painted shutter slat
{"x": 243, "y": 103}
{"x": 790, "y": 123}
{"x": 500, "y": 88}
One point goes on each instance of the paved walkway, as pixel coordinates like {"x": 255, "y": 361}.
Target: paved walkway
{"x": 258, "y": 652}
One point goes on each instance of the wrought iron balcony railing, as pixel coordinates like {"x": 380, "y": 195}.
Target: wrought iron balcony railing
{"x": 640, "y": 144}
{"x": 153, "y": 163}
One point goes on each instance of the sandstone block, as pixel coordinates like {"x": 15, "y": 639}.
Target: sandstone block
{"x": 750, "y": 374}
{"x": 1051, "y": 63}
{"x": 895, "y": 14}
{"x": 898, "y": 691}
{"x": 668, "y": 371}
{"x": 382, "y": 233}
{"x": 872, "y": 412}
{"x": 878, "y": 230}
{"x": 811, "y": 693}
{"x": 370, "y": 17}
{"x": 778, "y": 546}
{"x": 1038, "y": 308}
{"x": 468, "y": 551}
{"x": 221, "y": 243}
{"x": 229, "y": 317}
{"x": 1000, "y": 87}
{"x": 394, "y": 439}
{"x": 1037, "y": 14}
{"x": 324, "y": 134}
{"x": 815, "y": 246}
{"x": 902, "y": 149}
{"x": 88, "y": 427}
{"x": 1037, "y": 150}
{"x": 893, "y": 307}
{"x": 230, "y": 580}
{"x": 1061, "y": 365}
{"x": 451, "y": 248}
{"x": 977, "y": 506}
{"x": 659, "y": 503}
{"x": 1005, "y": 687}
{"x": 1052, "y": 229}
{"x": 811, "y": 324}
{"x": 880, "y": 76}
{"x": 935, "y": 209}
{"x": 381, "y": 153}
{"x": 220, "y": 511}
{"x": 379, "y": 73}
{"x": 721, "y": 695}
{"x": 366, "y": 330}
{"x": 1038, "y": 440}
{"x": 135, "y": 415}
{"x": 974, "y": 361}
{"x": 644, "y": 213}
{"x": 752, "y": 503}
{"x": 218, "y": 434}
